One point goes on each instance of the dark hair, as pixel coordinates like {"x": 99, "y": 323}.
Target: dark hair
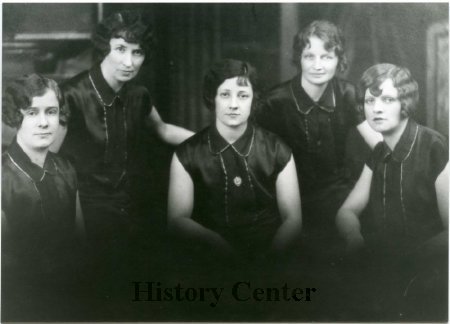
{"x": 227, "y": 69}
{"x": 373, "y": 77}
{"x": 329, "y": 33}
{"x": 20, "y": 93}
{"x": 129, "y": 25}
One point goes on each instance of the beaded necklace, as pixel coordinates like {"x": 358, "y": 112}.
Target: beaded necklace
{"x": 237, "y": 180}
{"x": 104, "y": 105}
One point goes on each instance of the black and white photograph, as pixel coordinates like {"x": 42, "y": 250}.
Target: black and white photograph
{"x": 225, "y": 162}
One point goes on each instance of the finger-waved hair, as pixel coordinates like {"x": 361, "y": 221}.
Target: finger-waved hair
{"x": 407, "y": 87}
{"x": 329, "y": 33}
{"x": 227, "y": 69}
{"x": 19, "y": 95}
{"x": 129, "y": 25}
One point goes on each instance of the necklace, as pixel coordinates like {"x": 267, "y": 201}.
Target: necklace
{"x": 104, "y": 105}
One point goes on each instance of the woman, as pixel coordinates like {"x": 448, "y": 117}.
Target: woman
{"x": 404, "y": 184}
{"x": 41, "y": 218}
{"x": 313, "y": 113}
{"x": 111, "y": 115}
{"x": 233, "y": 186}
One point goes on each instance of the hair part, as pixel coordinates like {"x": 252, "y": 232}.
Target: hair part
{"x": 329, "y": 33}
{"x": 19, "y": 95}
{"x": 131, "y": 26}
{"x": 407, "y": 87}
{"x": 227, "y": 69}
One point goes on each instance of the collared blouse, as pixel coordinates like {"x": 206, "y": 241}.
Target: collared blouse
{"x": 104, "y": 130}
{"x": 403, "y": 203}
{"x": 39, "y": 206}
{"x": 316, "y": 131}
{"x": 235, "y": 184}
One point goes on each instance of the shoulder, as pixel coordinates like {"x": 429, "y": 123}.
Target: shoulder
{"x": 75, "y": 82}
{"x": 343, "y": 86}
{"x": 433, "y": 142}
{"x": 135, "y": 88}
{"x": 64, "y": 167}
{"x": 279, "y": 91}
{"x": 271, "y": 141}
{"x": 198, "y": 139}
{"x": 432, "y": 136}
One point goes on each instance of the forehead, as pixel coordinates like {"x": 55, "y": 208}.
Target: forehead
{"x": 48, "y": 99}
{"x": 121, "y": 42}
{"x": 235, "y": 83}
{"x": 317, "y": 44}
{"x": 385, "y": 88}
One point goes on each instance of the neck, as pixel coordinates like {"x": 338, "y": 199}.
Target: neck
{"x": 113, "y": 83}
{"x": 36, "y": 156}
{"x": 393, "y": 137}
{"x": 314, "y": 91}
{"x": 231, "y": 134}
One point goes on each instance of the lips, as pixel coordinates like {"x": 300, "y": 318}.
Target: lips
{"x": 43, "y": 134}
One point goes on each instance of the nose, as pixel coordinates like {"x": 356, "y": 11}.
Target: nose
{"x": 318, "y": 63}
{"x": 127, "y": 59}
{"x": 377, "y": 106}
{"x": 43, "y": 121}
{"x": 233, "y": 103}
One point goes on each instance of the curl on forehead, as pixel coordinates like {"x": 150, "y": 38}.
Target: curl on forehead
{"x": 19, "y": 95}
{"x": 223, "y": 70}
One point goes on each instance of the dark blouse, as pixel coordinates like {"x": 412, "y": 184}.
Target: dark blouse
{"x": 316, "y": 131}
{"x": 39, "y": 206}
{"x": 403, "y": 205}
{"x": 234, "y": 184}
{"x": 104, "y": 130}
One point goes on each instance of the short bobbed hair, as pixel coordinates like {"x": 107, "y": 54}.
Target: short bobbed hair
{"x": 19, "y": 95}
{"x": 129, "y": 25}
{"x": 407, "y": 87}
{"x": 227, "y": 69}
{"x": 329, "y": 33}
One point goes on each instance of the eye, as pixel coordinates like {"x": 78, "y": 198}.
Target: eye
{"x": 389, "y": 100}
{"x": 328, "y": 57}
{"x": 244, "y": 95}
{"x": 369, "y": 101}
{"x": 53, "y": 111}
{"x": 224, "y": 95}
{"x": 308, "y": 56}
{"x": 121, "y": 49}
{"x": 29, "y": 112}
{"x": 138, "y": 52}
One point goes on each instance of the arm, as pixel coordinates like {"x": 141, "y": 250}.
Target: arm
{"x": 347, "y": 219}
{"x": 180, "y": 206}
{"x": 370, "y": 136}
{"x": 288, "y": 199}
{"x": 167, "y": 132}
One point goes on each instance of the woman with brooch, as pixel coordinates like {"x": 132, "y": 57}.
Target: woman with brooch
{"x": 233, "y": 186}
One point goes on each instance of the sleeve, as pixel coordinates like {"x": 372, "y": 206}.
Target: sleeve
{"x": 373, "y": 157}
{"x": 283, "y": 154}
{"x": 438, "y": 156}
{"x": 355, "y": 115}
{"x": 184, "y": 157}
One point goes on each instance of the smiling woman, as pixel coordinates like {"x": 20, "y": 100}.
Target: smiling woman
{"x": 233, "y": 187}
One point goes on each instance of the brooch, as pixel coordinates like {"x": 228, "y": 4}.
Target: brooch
{"x": 237, "y": 181}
